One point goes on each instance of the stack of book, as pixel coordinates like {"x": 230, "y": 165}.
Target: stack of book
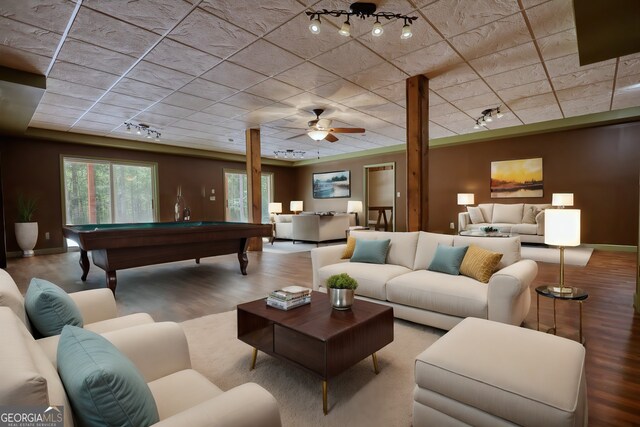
{"x": 289, "y": 297}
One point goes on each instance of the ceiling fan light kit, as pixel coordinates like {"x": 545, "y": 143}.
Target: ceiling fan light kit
{"x": 142, "y": 128}
{"x": 363, "y": 11}
{"x": 487, "y": 117}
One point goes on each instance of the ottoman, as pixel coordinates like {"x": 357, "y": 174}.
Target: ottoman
{"x": 485, "y": 373}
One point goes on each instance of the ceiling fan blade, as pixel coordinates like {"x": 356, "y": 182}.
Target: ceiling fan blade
{"x": 347, "y": 130}
{"x": 331, "y": 138}
{"x": 297, "y": 136}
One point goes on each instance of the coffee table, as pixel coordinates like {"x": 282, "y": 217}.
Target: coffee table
{"x": 315, "y": 337}
{"x": 480, "y": 233}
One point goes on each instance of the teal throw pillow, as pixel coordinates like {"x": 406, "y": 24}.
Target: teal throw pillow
{"x": 447, "y": 259}
{"x": 371, "y": 251}
{"x": 49, "y": 308}
{"x": 103, "y": 386}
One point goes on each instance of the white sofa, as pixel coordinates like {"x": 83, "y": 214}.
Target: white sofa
{"x": 311, "y": 227}
{"x": 429, "y": 297}
{"x": 508, "y": 218}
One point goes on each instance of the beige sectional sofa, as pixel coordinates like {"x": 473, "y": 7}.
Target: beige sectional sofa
{"x": 429, "y": 297}
{"x": 311, "y": 227}
{"x": 509, "y": 218}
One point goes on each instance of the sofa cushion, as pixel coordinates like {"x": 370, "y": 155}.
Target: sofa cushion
{"x": 525, "y": 229}
{"x": 448, "y": 259}
{"x": 402, "y": 250}
{"x": 453, "y": 295}
{"x": 480, "y": 263}
{"x": 511, "y": 214}
{"x": 372, "y": 278}
{"x": 11, "y": 297}
{"x": 104, "y": 387}
{"x": 529, "y": 214}
{"x": 487, "y": 211}
{"x": 50, "y": 308}
{"x": 371, "y": 251}
{"x": 348, "y": 250}
{"x": 509, "y": 247}
{"x": 475, "y": 215}
{"x": 426, "y": 249}
{"x": 194, "y": 389}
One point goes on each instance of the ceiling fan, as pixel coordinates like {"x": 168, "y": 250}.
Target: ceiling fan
{"x": 320, "y": 129}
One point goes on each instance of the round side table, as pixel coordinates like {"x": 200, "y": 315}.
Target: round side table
{"x": 576, "y": 294}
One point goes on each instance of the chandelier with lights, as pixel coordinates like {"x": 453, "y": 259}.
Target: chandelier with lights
{"x": 289, "y": 154}
{"x": 362, "y": 11}
{"x": 487, "y": 117}
{"x": 141, "y": 129}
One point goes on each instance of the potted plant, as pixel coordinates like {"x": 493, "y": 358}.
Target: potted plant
{"x": 341, "y": 290}
{"x": 26, "y": 229}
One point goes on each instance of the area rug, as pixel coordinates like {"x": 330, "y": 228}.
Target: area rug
{"x": 572, "y": 256}
{"x": 288, "y": 247}
{"x": 357, "y": 397}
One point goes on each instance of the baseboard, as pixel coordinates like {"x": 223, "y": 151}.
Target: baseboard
{"x": 611, "y": 248}
{"x": 47, "y": 251}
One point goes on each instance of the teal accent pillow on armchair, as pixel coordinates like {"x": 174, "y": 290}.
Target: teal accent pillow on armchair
{"x": 104, "y": 387}
{"x": 49, "y": 308}
{"x": 371, "y": 251}
{"x": 448, "y": 259}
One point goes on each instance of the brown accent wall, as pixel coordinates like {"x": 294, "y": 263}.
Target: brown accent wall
{"x": 33, "y": 167}
{"x": 356, "y": 166}
{"x": 598, "y": 165}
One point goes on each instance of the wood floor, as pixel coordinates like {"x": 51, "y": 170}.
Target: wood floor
{"x": 184, "y": 290}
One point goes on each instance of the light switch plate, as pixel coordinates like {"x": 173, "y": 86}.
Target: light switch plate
{"x": 398, "y": 194}
{"x": 212, "y": 198}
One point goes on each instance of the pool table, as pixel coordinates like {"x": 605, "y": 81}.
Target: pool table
{"x": 119, "y": 246}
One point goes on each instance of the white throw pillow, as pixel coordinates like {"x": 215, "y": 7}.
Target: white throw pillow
{"x": 475, "y": 214}
{"x": 507, "y": 214}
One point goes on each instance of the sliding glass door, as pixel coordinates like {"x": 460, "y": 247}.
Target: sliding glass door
{"x": 236, "y": 196}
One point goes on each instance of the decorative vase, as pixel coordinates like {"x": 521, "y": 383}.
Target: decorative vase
{"x": 341, "y": 299}
{"x": 27, "y": 236}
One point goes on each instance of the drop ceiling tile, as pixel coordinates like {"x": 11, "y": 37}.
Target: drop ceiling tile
{"x": 453, "y": 17}
{"x": 121, "y": 100}
{"x": 629, "y": 65}
{"x": 348, "y": 59}
{"x": 209, "y": 90}
{"x": 51, "y": 15}
{"x": 395, "y": 92}
{"x": 169, "y": 110}
{"x": 177, "y": 56}
{"x": 506, "y": 60}
{"x": 96, "y": 57}
{"x": 389, "y": 112}
{"x": 396, "y": 133}
{"x": 155, "y": 15}
{"x": 102, "y": 30}
{"x": 205, "y": 118}
{"x": 308, "y": 101}
{"x": 268, "y": 114}
{"x": 628, "y": 83}
{"x": 519, "y": 77}
{"x": 123, "y": 113}
{"x": 266, "y": 58}
{"x": 240, "y": 123}
{"x": 551, "y": 17}
{"x": 306, "y": 76}
{"x": 474, "y": 105}
{"x": 364, "y": 101}
{"x": 589, "y": 105}
{"x": 378, "y": 76}
{"x": 437, "y": 131}
{"x": 545, "y": 99}
{"x": 584, "y": 77}
{"x": 232, "y": 75}
{"x": 50, "y": 126}
{"x": 498, "y": 35}
{"x": 72, "y": 89}
{"x": 159, "y": 76}
{"x": 88, "y": 126}
{"x": 56, "y": 110}
{"x": 28, "y": 38}
{"x": 248, "y": 101}
{"x": 431, "y": 60}
{"x": 559, "y": 44}
{"x": 82, "y": 75}
{"x": 464, "y": 90}
{"x": 225, "y": 110}
{"x": 442, "y": 110}
{"x": 626, "y": 98}
{"x": 434, "y": 99}
{"x": 186, "y": 127}
{"x": 23, "y": 60}
{"x": 531, "y": 89}
{"x": 461, "y": 127}
{"x": 338, "y": 90}
{"x": 390, "y": 46}
{"x": 140, "y": 89}
{"x": 57, "y": 120}
{"x": 184, "y": 100}
{"x": 65, "y": 101}
{"x": 258, "y": 18}
{"x": 274, "y": 90}
{"x": 101, "y": 118}
{"x": 155, "y": 121}
{"x": 455, "y": 75}
{"x": 597, "y": 89}
{"x": 211, "y": 34}
{"x": 570, "y": 64}
{"x": 530, "y": 3}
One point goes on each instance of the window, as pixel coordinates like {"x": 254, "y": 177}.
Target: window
{"x": 236, "y": 197}
{"x": 105, "y": 192}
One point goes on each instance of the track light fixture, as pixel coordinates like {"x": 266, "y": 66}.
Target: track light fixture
{"x": 487, "y": 117}
{"x": 142, "y": 128}
{"x": 361, "y": 10}
{"x": 289, "y": 154}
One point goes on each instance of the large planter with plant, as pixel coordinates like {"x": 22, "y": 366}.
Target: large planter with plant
{"x": 26, "y": 229}
{"x": 341, "y": 289}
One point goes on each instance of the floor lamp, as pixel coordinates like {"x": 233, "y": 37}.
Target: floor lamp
{"x": 562, "y": 229}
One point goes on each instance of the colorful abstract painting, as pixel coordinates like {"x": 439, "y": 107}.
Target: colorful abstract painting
{"x": 516, "y": 178}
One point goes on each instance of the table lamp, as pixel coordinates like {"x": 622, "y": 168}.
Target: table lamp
{"x": 562, "y": 229}
{"x": 465, "y": 199}
{"x": 562, "y": 199}
{"x": 354, "y": 206}
{"x": 274, "y": 208}
{"x": 295, "y": 206}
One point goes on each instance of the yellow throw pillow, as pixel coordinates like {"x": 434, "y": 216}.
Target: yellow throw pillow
{"x": 479, "y": 263}
{"x": 348, "y": 251}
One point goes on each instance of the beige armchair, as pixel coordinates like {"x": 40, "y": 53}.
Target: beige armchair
{"x": 317, "y": 228}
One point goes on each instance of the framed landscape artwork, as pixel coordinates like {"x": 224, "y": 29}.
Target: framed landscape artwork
{"x": 330, "y": 185}
{"x": 516, "y": 178}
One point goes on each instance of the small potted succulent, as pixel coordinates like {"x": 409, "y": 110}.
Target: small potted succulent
{"x": 341, "y": 289}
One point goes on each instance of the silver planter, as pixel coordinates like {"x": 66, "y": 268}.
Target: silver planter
{"x": 341, "y": 299}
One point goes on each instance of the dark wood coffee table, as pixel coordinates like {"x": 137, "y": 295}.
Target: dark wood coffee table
{"x": 315, "y": 337}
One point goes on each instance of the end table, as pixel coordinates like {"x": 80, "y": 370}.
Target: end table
{"x": 576, "y": 294}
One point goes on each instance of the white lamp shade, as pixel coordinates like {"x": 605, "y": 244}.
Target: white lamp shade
{"x": 318, "y": 135}
{"x": 465, "y": 199}
{"x": 562, "y": 199}
{"x": 295, "y": 206}
{"x": 275, "y": 208}
{"x": 354, "y": 206}
{"x": 562, "y": 227}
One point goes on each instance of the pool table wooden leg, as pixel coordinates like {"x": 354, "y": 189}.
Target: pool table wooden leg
{"x": 197, "y": 260}
{"x": 84, "y": 264}
{"x": 242, "y": 256}
{"x": 112, "y": 281}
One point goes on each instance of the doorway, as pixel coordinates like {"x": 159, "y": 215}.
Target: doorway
{"x": 379, "y": 196}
